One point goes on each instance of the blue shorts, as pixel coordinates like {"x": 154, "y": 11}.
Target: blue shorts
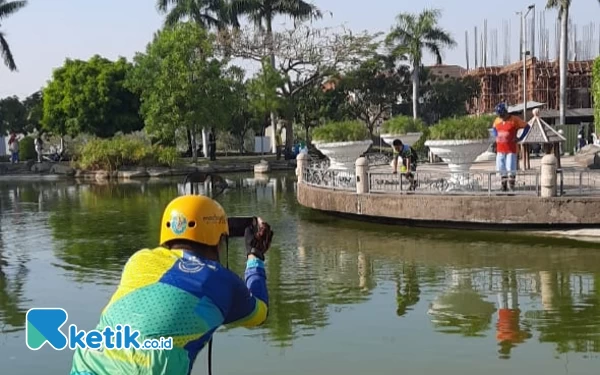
{"x": 506, "y": 163}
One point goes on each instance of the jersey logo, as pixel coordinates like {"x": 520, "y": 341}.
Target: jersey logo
{"x": 193, "y": 265}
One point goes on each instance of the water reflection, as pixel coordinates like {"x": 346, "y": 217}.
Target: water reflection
{"x": 514, "y": 295}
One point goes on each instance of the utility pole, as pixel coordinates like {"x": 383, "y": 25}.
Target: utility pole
{"x": 524, "y": 54}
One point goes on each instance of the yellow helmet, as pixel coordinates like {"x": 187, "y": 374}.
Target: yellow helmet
{"x": 195, "y": 218}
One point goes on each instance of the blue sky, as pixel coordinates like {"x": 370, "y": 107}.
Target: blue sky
{"x": 46, "y": 32}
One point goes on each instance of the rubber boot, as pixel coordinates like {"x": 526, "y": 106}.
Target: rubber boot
{"x": 504, "y": 184}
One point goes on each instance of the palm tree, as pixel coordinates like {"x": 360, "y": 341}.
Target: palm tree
{"x": 563, "y": 15}
{"x": 262, "y": 13}
{"x": 411, "y": 36}
{"x": 206, "y": 13}
{"x": 8, "y": 8}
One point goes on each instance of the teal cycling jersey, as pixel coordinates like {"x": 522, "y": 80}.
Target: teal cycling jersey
{"x": 173, "y": 293}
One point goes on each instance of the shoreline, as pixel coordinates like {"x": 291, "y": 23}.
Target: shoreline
{"x": 54, "y": 171}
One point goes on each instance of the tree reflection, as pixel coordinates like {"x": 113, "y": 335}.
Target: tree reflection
{"x": 572, "y": 324}
{"x": 409, "y": 295}
{"x": 99, "y": 228}
{"x": 461, "y": 309}
{"x": 13, "y": 269}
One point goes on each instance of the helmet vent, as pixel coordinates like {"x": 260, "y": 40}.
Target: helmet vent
{"x": 168, "y": 224}
{"x": 192, "y": 224}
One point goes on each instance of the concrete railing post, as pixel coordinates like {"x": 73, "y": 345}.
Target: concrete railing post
{"x": 362, "y": 176}
{"x": 549, "y": 163}
{"x": 302, "y": 161}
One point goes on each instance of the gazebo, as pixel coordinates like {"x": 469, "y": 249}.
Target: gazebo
{"x": 540, "y": 133}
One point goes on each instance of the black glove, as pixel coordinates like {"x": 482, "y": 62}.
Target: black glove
{"x": 258, "y": 239}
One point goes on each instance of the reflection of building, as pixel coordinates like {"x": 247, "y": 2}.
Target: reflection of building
{"x": 508, "y": 329}
{"x": 506, "y": 83}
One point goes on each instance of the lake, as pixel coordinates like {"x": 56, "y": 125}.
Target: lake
{"x": 347, "y": 297}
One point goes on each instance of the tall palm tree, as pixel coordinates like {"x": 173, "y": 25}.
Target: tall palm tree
{"x": 206, "y": 13}
{"x": 563, "y": 15}
{"x": 262, "y": 13}
{"x": 413, "y": 34}
{"x": 8, "y": 8}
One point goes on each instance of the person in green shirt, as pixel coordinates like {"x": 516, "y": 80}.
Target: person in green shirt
{"x": 409, "y": 161}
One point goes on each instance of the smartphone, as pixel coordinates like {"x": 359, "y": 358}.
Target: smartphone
{"x": 238, "y": 225}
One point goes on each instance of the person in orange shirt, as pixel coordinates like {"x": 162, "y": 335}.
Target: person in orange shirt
{"x": 506, "y": 127}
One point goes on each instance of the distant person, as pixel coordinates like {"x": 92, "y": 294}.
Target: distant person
{"x": 278, "y": 143}
{"x": 581, "y": 138}
{"x": 505, "y": 129}
{"x": 409, "y": 161}
{"x": 212, "y": 145}
{"x": 13, "y": 147}
{"x": 39, "y": 147}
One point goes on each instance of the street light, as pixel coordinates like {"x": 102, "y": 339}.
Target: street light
{"x": 524, "y": 54}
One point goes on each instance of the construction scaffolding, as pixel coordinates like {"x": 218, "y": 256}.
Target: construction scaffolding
{"x": 505, "y": 83}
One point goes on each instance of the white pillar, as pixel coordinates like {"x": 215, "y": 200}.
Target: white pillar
{"x": 548, "y": 176}
{"x": 204, "y": 143}
{"x": 362, "y": 183}
{"x": 302, "y": 161}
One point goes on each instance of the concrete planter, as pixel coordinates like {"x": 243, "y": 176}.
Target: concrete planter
{"x": 343, "y": 155}
{"x": 459, "y": 155}
{"x": 407, "y": 139}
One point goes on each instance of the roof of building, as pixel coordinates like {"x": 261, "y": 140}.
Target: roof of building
{"x": 571, "y": 112}
{"x": 541, "y": 132}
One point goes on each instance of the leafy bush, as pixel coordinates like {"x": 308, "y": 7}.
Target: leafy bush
{"x": 123, "y": 151}
{"x": 402, "y": 125}
{"x": 342, "y": 131}
{"x": 462, "y": 128}
{"x": 27, "y": 149}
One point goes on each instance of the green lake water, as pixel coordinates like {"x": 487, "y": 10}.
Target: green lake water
{"x": 347, "y": 298}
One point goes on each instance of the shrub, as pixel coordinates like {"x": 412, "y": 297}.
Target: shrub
{"x": 402, "y": 125}
{"x": 123, "y": 151}
{"x": 342, "y": 131}
{"x": 462, "y": 128}
{"x": 27, "y": 149}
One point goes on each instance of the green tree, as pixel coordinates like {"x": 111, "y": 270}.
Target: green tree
{"x": 448, "y": 98}
{"x": 90, "y": 97}
{"x": 372, "y": 89}
{"x": 563, "y": 7}
{"x": 8, "y": 8}
{"x": 181, "y": 83}
{"x": 262, "y": 93}
{"x": 414, "y": 34}
{"x": 242, "y": 119}
{"x": 13, "y": 115}
{"x": 262, "y": 14}
{"x": 34, "y": 106}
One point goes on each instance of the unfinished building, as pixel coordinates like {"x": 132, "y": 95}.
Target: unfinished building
{"x": 505, "y": 83}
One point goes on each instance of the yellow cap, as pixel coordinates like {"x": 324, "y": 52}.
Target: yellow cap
{"x": 195, "y": 218}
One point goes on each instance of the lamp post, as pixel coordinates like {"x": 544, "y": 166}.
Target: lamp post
{"x": 524, "y": 54}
